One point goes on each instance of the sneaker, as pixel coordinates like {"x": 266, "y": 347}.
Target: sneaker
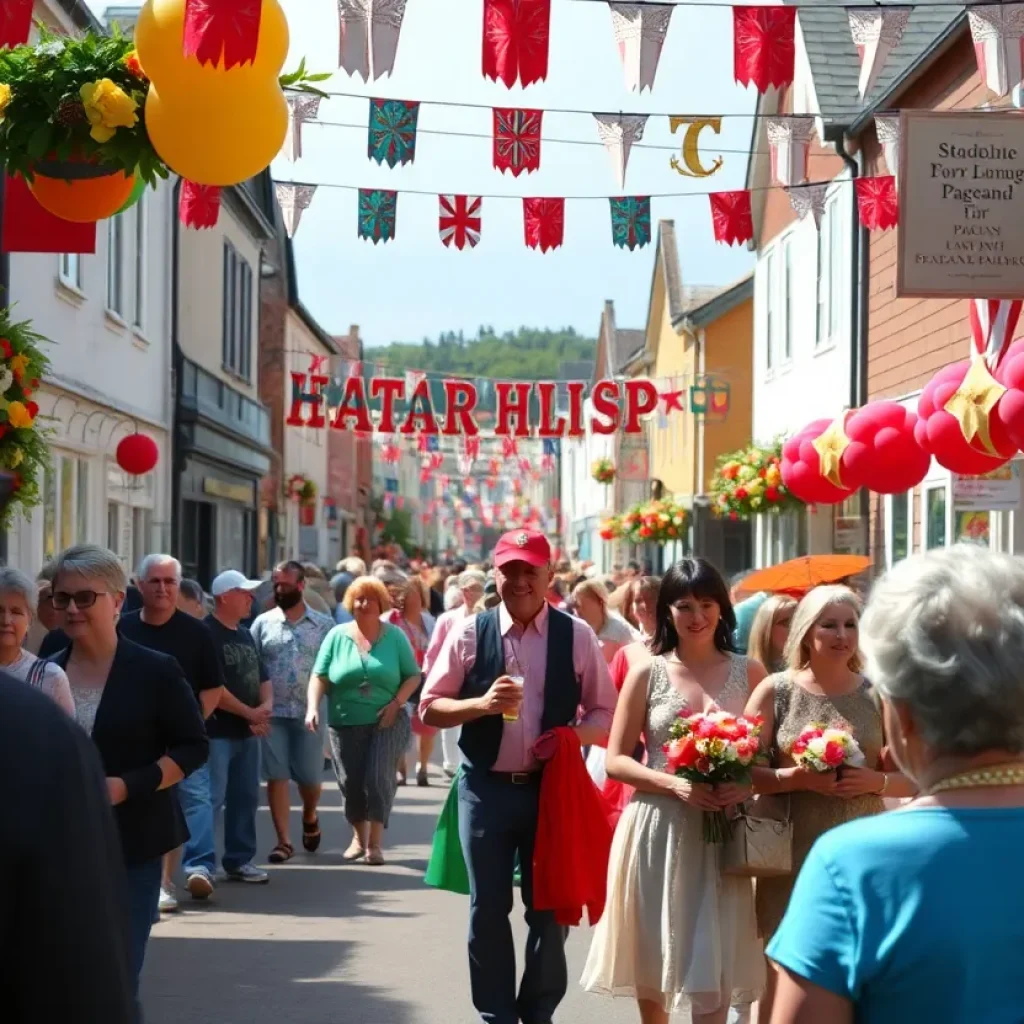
{"x": 168, "y": 900}
{"x": 199, "y": 884}
{"x": 247, "y": 873}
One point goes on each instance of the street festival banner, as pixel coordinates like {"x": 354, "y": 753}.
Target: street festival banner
{"x": 961, "y": 203}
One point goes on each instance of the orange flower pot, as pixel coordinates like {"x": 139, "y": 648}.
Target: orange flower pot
{"x": 80, "y": 192}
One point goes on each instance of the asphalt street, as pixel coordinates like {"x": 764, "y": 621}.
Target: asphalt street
{"x": 327, "y": 942}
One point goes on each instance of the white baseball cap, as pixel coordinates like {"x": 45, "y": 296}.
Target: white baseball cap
{"x": 232, "y": 579}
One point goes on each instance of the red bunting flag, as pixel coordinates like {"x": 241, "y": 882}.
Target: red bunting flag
{"x": 764, "y": 46}
{"x": 877, "y": 202}
{"x": 544, "y": 223}
{"x": 27, "y": 227}
{"x": 222, "y": 27}
{"x": 516, "y": 37}
{"x": 517, "y": 140}
{"x": 509, "y": 447}
{"x": 460, "y": 220}
{"x": 198, "y": 205}
{"x": 731, "y": 217}
{"x": 15, "y": 22}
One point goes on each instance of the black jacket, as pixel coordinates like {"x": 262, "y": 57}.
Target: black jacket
{"x": 64, "y": 944}
{"x": 147, "y": 711}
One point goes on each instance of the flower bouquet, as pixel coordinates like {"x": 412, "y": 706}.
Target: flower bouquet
{"x": 611, "y": 528}
{"x": 822, "y": 749}
{"x": 748, "y": 482}
{"x": 655, "y": 522}
{"x": 603, "y": 471}
{"x": 710, "y": 748}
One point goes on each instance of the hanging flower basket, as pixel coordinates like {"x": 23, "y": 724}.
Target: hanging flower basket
{"x": 611, "y": 528}
{"x": 603, "y": 471}
{"x": 301, "y": 490}
{"x": 654, "y": 522}
{"x": 748, "y": 482}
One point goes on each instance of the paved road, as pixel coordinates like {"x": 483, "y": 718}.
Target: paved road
{"x": 332, "y": 943}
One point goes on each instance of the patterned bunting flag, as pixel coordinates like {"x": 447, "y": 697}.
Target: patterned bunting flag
{"x": 459, "y": 221}
{"x": 516, "y": 37}
{"x": 517, "y": 140}
{"x": 789, "y": 144}
{"x": 876, "y": 33}
{"x": 631, "y": 221}
{"x": 198, "y": 205}
{"x": 640, "y": 31}
{"x": 293, "y": 200}
{"x": 764, "y": 46}
{"x": 618, "y": 132}
{"x": 301, "y": 107}
{"x": 809, "y": 199}
{"x": 877, "y": 202}
{"x": 544, "y": 223}
{"x": 392, "y": 135}
{"x": 993, "y": 323}
{"x": 216, "y": 28}
{"x": 378, "y": 209}
{"x": 998, "y": 34}
{"x": 887, "y": 128}
{"x": 15, "y": 22}
{"x": 732, "y": 217}
{"x": 369, "y": 36}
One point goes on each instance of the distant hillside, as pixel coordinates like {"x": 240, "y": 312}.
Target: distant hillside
{"x": 526, "y": 354}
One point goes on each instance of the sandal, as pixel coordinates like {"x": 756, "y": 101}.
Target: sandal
{"x": 356, "y": 851}
{"x": 311, "y": 835}
{"x": 374, "y": 855}
{"x": 281, "y": 853}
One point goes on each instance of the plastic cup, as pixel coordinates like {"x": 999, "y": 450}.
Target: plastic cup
{"x": 513, "y": 714}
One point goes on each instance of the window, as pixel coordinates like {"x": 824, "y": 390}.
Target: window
{"x": 899, "y": 527}
{"x": 237, "y": 321}
{"x": 935, "y": 517}
{"x": 769, "y": 272}
{"x": 788, "y": 299}
{"x": 65, "y": 504}
{"x": 113, "y": 525}
{"x": 115, "y": 265}
{"x": 139, "y": 316}
{"x": 70, "y": 269}
{"x": 140, "y": 534}
{"x": 830, "y": 256}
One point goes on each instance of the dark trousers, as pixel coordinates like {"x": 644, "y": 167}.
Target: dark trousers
{"x": 497, "y": 821}
{"x": 143, "y": 899}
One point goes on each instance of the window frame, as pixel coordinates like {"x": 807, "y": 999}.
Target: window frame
{"x": 828, "y": 301}
{"x": 787, "y": 299}
{"x": 237, "y": 315}
{"x": 58, "y": 513}
{"x": 140, "y": 297}
{"x": 891, "y": 500}
{"x": 115, "y": 296}
{"x": 927, "y": 489}
{"x": 63, "y": 270}
{"x": 769, "y": 332}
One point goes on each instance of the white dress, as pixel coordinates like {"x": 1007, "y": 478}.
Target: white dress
{"x": 675, "y": 930}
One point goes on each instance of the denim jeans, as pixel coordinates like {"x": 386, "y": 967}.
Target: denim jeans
{"x": 234, "y": 767}
{"x": 143, "y": 897}
{"x": 197, "y": 806}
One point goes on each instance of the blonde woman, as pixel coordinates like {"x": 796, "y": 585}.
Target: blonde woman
{"x": 770, "y": 630}
{"x": 590, "y": 599}
{"x": 821, "y": 685}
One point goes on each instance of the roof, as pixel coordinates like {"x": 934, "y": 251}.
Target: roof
{"x": 835, "y": 65}
{"x": 724, "y": 301}
{"x": 615, "y": 344}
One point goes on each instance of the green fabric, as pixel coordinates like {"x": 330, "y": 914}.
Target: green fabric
{"x": 447, "y": 867}
{"x": 360, "y": 689}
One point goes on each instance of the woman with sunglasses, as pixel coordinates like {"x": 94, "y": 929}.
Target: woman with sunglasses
{"x": 141, "y": 715}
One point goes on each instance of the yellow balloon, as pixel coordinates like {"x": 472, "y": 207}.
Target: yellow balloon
{"x": 222, "y": 144}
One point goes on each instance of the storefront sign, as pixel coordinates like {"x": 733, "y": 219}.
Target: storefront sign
{"x": 961, "y": 201}
{"x": 997, "y": 491}
{"x": 848, "y": 535}
{"x": 233, "y": 492}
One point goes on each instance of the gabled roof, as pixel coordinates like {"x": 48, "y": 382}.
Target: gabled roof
{"x": 615, "y": 345}
{"x": 723, "y": 301}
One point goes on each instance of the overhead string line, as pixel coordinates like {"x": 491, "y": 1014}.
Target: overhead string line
{"x": 874, "y": 6}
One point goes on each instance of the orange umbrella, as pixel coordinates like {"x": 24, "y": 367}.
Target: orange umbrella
{"x": 802, "y": 574}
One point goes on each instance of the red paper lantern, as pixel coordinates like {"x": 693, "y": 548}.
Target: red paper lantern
{"x": 939, "y": 431}
{"x": 137, "y": 454}
{"x": 803, "y": 473}
{"x": 883, "y": 452}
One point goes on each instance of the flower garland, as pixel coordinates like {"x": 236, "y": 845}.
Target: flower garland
{"x": 23, "y": 447}
{"x": 748, "y": 482}
{"x": 603, "y": 471}
{"x": 301, "y": 489}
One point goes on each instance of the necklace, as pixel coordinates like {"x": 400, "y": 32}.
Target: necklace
{"x": 997, "y": 775}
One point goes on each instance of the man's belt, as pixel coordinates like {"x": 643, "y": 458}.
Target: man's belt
{"x": 518, "y": 778}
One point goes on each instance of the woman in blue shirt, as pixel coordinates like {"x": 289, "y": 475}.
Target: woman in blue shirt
{"x": 918, "y": 915}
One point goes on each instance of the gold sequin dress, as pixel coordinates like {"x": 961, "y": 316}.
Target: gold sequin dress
{"x": 674, "y": 930}
{"x": 813, "y": 813}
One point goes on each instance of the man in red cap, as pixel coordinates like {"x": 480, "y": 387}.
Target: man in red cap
{"x": 507, "y": 676}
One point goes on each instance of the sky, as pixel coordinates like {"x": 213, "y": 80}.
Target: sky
{"x": 412, "y": 286}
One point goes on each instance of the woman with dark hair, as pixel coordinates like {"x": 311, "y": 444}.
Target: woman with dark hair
{"x": 676, "y": 933}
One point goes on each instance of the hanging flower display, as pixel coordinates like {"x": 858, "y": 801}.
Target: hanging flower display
{"x": 749, "y": 482}
{"x": 72, "y": 123}
{"x": 654, "y": 522}
{"x": 23, "y": 448}
{"x": 611, "y": 528}
{"x": 603, "y": 471}
{"x": 301, "y": 489}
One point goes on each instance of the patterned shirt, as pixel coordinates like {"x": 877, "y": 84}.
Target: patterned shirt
{"x": 288, "y": 651}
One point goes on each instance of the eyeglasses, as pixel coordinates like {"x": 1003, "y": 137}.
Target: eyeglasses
{"x": 82, "y": 598}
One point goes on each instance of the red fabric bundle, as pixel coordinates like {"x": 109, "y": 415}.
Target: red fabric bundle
{"x": 574, "y": 837}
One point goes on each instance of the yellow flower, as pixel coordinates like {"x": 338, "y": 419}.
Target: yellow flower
{"x": 18, "y": 416}
{"x": 15, "y": 458}
{"x": 5, "y": 98}
{"x": 108, "y": 107}
{"x": 19, "y": 365}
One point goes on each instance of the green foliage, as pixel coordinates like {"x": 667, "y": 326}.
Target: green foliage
{"x": 302, "y": 81}
{"x": 45, "y": 115}
{"x": 394, "y": 527}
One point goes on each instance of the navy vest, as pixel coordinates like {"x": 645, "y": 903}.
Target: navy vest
{"x": 481, "y": 739}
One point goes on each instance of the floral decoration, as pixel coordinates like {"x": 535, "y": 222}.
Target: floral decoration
{"x": 748, "y": 482}
{"x": 23, "y": 446}
{"x": 603, "y": 471}
{"x": 611, "y": 528}
{"x": 301, "y": 489}
{"x": 654, "y": 522}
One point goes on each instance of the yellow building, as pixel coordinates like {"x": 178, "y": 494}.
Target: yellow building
{"x": 699, "y": 348}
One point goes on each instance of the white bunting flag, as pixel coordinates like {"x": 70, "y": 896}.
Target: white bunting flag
{"x": 369, "y": 36}
{"x": 301, "y": 107}
{"x": 293, "y": 200}
{"x": 789, "y": 143}
{"x": 998, "y": 34}
{"x": 809, "y": 199}
{"x": 876, "y": 33}
{"x": 618, "y": 132}
{"x": 887, "y": 128}
{"x": 640, "y": 31}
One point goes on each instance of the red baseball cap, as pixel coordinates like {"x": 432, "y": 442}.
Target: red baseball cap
{"x": 522, "y": 546}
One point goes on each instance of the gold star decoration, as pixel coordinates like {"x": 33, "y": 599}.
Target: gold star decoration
{"x": 972, "y": 404}
{"x": 830, "y": 447}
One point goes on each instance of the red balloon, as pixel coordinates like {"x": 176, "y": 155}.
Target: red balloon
{"x": 137, "y": 454}
{"x": 1010, "y": 374}
{"x": 939, "y": 433}
{"x": 801, "y": 469}
{"x": 883, "y": 452}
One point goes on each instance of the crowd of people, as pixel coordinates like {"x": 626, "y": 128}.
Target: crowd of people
{"x": 190, "y": 698}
